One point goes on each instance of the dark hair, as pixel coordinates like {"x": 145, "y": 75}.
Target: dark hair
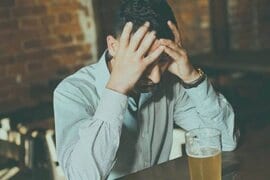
{"x": 157, "y": 12}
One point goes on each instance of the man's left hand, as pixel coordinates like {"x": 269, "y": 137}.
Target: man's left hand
{"x": 180, "y": 65}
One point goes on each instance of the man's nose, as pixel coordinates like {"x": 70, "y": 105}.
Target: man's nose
{"x": 155, "y": 74}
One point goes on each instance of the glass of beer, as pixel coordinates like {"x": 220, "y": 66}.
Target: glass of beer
{"x": 203, "y": 147}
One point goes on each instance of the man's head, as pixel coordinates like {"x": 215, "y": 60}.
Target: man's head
{"x": 157, "y": 13}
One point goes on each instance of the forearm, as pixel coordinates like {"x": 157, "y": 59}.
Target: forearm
{"x": 214, "y": 111}
{"x": 203, "y": 107}
{"x": 93, "y": 156}
{"x": 90, "y": 152}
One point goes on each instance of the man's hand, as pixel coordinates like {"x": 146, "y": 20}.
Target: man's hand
{"x": 130, "y": 61}
{"x": 180, "y": 65}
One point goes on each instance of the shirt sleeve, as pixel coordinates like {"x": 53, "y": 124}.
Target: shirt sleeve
{"x": 87, "y": 131}
{"x": 203, "y": 107}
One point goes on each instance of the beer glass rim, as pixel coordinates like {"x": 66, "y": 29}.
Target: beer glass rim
{"x": 216, "y": 132}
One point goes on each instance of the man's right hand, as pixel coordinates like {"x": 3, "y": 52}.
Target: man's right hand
{"x": 130, "y": 61}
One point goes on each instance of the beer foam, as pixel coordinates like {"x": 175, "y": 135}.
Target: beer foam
{"x": 204, "y": 152}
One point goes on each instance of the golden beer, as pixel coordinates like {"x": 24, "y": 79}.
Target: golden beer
{"x": 206, "y": 166}
{"x": 203, "y": 147}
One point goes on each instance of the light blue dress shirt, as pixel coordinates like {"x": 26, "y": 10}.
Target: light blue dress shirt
{"x": 102, "y": 134}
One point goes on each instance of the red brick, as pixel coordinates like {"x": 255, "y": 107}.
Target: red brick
{"x": 41, "y": 32}
{"x": 50, "y": 42}
{"x": 29, "y": 11}
{"x": 67, "y": 60}
{"x": 3, "y": 71}
{"x": 41, "y": 43}
{"x": 4, "y": 14}
{"x": 8, "y": 81}
{"x": 31, "y": 22}
{"x": 35, "y": 55}
{"x": 203, "y": 3}
{"x": 69, "y": 49}
{"x": 17, "y": 68}
{"x": 44, "y": 37}
{"x": 32, "y": 44}
{"x": 86, "y": 56}
{"x": 7, "y": 3}
{"x": 67, "y": 28}
{"x": 7, "y": 36}
{"x": 64, "y": 38}
{"x": 5, "y": 92}
{"x": 4, "y": 60}
{"x": 10, "y": 48}
{"x": 48, "y": 20}
{"x": 65, "y": 18}
{"x": 63, "y": 7}
{"x": 14, "y": 103}
{"x": 80, "y": 37}
{"x": 10, "y": 25}
{"x": 25, "y": 2}
{"x": 17, "y": 90}
{"x": 41, "y": 76}
{"x": 34, "y": 66}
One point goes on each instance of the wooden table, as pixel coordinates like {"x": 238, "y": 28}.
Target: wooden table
{"x": 178, "y": 170}
{"x": 250, "y": 161}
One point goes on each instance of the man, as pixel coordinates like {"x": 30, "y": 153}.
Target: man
{"x": 116, "y": 116}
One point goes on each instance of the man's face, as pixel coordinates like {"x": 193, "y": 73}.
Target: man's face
{"x": 151, "y": 77}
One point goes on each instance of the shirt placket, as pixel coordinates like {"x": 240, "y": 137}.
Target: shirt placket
{"x": 145, "y": 140}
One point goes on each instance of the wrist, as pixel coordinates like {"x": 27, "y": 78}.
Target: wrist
{"x": 118, "y": 87}
{"x": 192, "y": 76}
{"x": 195, "y": 82}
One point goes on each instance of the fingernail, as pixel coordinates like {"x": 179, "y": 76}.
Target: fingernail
{"x": 146, "y": 23}
{"x": 129, "y": 23}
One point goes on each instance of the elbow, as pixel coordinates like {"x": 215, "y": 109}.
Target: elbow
{"x": 75, "y": 167}
{"x": 232, "y": 144}
{"x": 228, "y": 148}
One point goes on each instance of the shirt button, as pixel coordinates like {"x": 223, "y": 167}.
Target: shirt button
{"x": 143, "y": 135}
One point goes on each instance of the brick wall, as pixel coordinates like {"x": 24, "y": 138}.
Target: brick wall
{"x": 249, "y": 23}
{"x": 44, "y": 40}
{"x": 192, "y": 16}
{"x": 41, "y": 40}
{"x": 194, "y": 23}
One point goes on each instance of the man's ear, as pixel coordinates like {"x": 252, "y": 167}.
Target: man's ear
{"x": 112, "y": 45}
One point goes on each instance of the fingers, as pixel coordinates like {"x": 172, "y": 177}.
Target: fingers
{"x": 175, "y": 31}
{"x": 138, "y": 36}
{"x": 169, "y": 43}
{"x": 172, "y": 45}
{"x": 173, "y": 54}
{"x": 154, "y": 55}
{"x": 125, "y": 36}
{"x": 146, "y": 43}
